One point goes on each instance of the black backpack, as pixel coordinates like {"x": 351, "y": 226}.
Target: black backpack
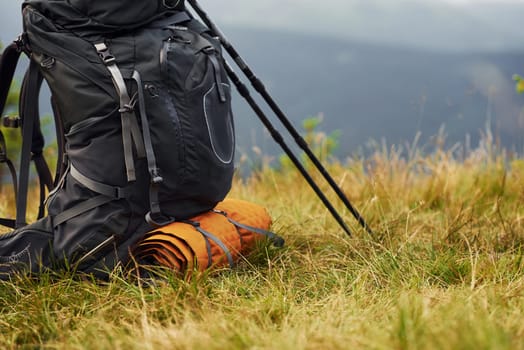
{"x": 142, "y": 106}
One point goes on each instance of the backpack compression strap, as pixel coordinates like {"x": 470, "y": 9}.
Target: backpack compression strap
{"x": 130, "y": 131}
{"x": 154, "y": 217}
{"x": 131, "y": 136}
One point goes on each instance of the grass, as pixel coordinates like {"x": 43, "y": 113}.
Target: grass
{"x": 444, "y": 270}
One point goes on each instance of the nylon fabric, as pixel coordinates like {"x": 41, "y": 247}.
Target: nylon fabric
{"x": 106, "y": 66}
{"x": 94, "y": 17}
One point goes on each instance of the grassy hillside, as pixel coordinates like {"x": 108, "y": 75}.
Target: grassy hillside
{"x": 371, "y": 91}
{"x": 445, "y": 270}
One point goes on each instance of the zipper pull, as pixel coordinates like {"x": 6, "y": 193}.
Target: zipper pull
{"x": 210, "y": 52}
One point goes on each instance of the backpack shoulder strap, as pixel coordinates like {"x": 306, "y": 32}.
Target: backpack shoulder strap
{"x": 29, "y": 110}
{"x": 5, "y": 159}
{"x": 32, "y": 144}
{"x": 28, "y": 115}
{"x": 32, "y": 137}
{"x": 8, "y": 62}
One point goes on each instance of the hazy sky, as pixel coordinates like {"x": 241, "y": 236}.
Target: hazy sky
{"x": 460, "y": 2}
{"x": 439, "y": 23}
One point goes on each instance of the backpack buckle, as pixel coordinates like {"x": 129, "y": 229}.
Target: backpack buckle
{"x": 22, "y": 43}
{"x": 105, "y": 54}
{"x": 156, "y": 179}
{"x": 11, "y": 122}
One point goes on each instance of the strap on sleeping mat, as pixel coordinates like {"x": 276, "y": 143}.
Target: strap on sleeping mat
{"x": 209, "y": 236}
{"x": 274, "y": 238}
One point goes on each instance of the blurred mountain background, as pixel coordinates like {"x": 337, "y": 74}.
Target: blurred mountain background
{"x": 375, "y": 69}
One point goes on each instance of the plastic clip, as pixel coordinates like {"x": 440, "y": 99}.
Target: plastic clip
{"x": 105, "y": 54}
{"x": 11, "y": 122}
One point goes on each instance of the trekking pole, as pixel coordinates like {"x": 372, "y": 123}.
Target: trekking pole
{"x": 244, "y": 92}
{"x": 261, "y": 89}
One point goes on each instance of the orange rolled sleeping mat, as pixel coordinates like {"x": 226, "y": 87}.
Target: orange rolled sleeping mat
{"x": 216, "y": 238}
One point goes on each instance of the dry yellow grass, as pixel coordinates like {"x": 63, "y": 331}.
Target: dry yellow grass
{"x": 444, "y": 271}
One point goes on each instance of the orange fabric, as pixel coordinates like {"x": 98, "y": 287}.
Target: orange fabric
{"x": 180, "y": 246}
{"x": 246, "y": 213}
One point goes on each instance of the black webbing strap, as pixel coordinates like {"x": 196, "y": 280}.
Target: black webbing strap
{"x": 130, "y": 130}
{"x": 107, "y": 193}
{"x": 8, "y": 63}
{"x": 32, "y": 144}
{"x": 41, "y": 206}
{"x": 42, "y": 169}
{"x": 113, "y": 192}
{"x": 37, "y": 144}
{"x": 218, "y": 79}
{"x": 5, "y": 159}
{"x": 46, "y": 181}
{"x": 10, "y": 223}
{"x": 81, "y": 208}
{"x": 29, "y": 116}
{"x": 61, "y": 167}
{"x": 155, "y": 216}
